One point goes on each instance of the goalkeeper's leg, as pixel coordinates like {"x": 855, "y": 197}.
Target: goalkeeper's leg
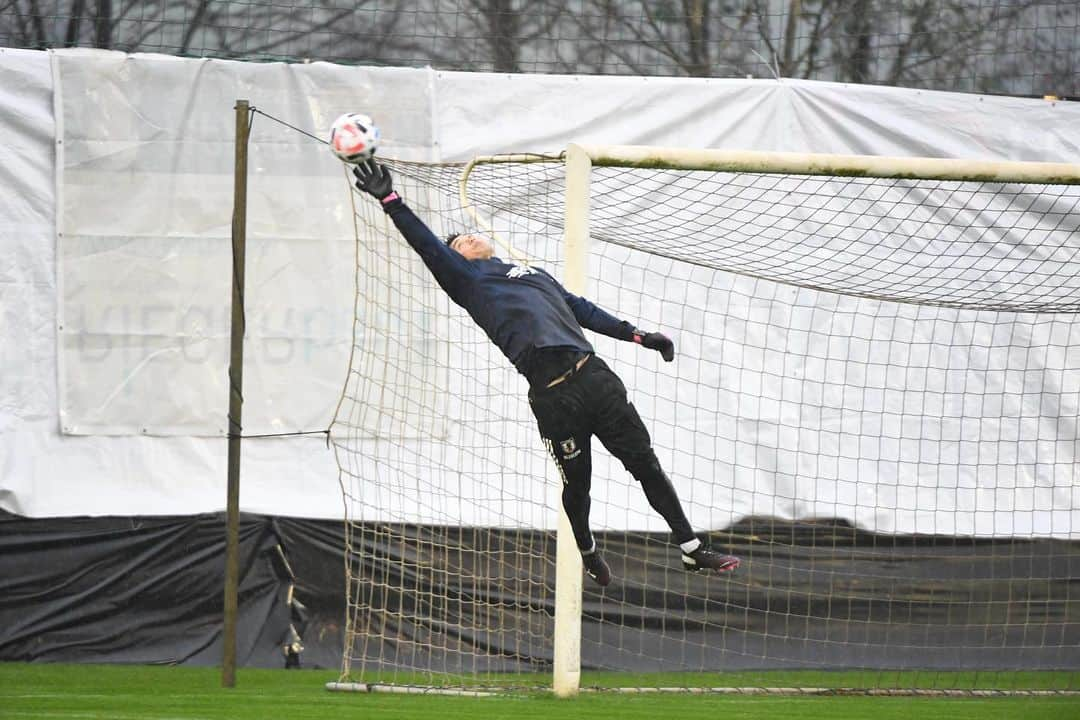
{"x": 570, "y": 445}
{"x": 623, "y": 433}
{"x": 576, "y": 474}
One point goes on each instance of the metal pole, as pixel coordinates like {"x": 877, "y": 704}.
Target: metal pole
{"x": 236, "y": 398}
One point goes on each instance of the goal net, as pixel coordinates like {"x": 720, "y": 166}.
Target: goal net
{"x": 874, "y": 403}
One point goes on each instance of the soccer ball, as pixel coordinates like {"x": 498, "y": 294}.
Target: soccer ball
{"x": 354, "y": 137}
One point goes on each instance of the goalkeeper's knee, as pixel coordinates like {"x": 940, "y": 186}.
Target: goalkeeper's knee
{"x": 643, "y": 465}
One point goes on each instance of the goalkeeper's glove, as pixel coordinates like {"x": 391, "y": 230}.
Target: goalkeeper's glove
{"x": 375, "y": 180}
{"x": 656, "y": 341}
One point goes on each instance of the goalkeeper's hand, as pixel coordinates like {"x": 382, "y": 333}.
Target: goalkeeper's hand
{"x": 656, "y": 341}
{"x": 375, "y": 180}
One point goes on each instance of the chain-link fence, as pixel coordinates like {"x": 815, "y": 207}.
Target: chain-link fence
{"x": 1019, "y": 47}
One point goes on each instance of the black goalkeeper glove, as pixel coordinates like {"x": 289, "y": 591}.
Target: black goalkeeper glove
{"x": 375, "y": 180}
{"x": 656, "y": 341}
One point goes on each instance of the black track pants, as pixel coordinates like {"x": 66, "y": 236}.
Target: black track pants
{"x": 593, "y": 402}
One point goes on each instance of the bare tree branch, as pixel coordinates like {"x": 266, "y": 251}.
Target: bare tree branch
{"x": 808, "y": 57}
{"x": 193, "y": 25}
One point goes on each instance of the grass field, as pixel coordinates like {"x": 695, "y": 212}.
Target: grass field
{"x": 121, "y": 692}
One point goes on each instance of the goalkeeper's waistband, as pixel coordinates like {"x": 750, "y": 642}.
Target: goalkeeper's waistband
{"x": 571, "y": 372}
{"x": 551, "y": 369}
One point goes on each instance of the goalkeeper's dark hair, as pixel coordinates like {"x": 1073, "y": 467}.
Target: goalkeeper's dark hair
{"x": 451, "y": 238}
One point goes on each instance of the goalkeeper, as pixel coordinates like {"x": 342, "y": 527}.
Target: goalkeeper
{"x": 537, "y": 324}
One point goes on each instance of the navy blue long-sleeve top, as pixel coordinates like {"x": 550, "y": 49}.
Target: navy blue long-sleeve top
{"x": 522, "y": 309}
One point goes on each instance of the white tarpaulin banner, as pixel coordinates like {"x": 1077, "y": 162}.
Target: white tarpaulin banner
{"x": 144, "y": 240}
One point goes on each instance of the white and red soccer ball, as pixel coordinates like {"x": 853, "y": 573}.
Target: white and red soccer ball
{"x": 354, "y": 137}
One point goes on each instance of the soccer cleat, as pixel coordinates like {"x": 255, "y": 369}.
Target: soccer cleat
{"x": 596, "y": 568}
{"x": 705, "y": 559}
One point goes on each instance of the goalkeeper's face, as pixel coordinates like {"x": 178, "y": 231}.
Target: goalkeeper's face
{"x": 473, "y": 246}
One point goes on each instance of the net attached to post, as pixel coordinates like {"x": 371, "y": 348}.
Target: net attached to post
{"x": 874, "y": 403}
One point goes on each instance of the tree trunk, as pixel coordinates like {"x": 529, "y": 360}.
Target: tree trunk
{"x": 103, "y": 25}
{"x": 697, "y": 27}
{"x": 504, "y": 23}
{"x": 787, "y": 63}
{"x": 856, "y": 67}
{"x": 71, "y": 38}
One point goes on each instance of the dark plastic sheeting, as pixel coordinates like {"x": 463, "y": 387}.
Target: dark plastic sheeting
{"x": 138, "y": 590}
{"x": 812, "y": 595}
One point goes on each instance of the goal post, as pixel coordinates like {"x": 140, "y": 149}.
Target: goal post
{"x": 790, "y": 163}
{"x": 874, "y": 404}
{"x": 566, "y": 668}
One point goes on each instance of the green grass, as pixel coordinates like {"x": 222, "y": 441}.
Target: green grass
{"x": 132, "y": 692}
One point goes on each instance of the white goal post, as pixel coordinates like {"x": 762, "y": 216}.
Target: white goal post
{"x": 873, "y": 166}
{"x": 815, "y": 228}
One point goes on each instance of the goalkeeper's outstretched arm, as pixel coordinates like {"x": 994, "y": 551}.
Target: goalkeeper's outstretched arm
{"x": 452, "y": 271}
{"x": 455, "y": 273}
{"x": 592, "y": 317}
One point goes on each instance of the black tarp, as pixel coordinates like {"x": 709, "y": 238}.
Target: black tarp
{"x": 809, "y": 594}
{"x": 138, "y": 589}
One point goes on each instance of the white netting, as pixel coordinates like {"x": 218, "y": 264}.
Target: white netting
{"x": 875, "y": 403}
